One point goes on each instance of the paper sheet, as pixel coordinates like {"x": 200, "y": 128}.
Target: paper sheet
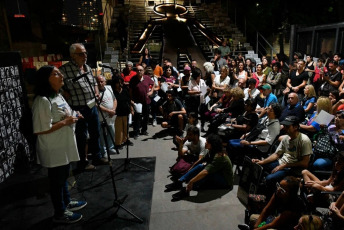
{"x": 324, "y": 118}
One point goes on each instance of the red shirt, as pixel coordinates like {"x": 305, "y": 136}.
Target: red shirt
{"x": 128, "y": 77}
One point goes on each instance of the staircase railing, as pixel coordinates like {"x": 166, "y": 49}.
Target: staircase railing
{"x": 261, "y": 43}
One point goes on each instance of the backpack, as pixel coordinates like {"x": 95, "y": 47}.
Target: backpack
{"x": 324, "y": 146}
{"x": 253, "y": 135}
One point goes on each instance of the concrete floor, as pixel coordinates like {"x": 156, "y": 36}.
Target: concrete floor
{"x": 212, "y": 209}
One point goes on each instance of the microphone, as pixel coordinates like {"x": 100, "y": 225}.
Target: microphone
{"x": 81, "y": 76}
{"x": 105, "y": 66}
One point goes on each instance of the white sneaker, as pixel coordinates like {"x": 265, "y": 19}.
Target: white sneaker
{"x": 154, "y": 123}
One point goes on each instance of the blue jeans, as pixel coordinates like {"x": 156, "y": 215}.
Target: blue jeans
{"x": 322, "y": 164}
{"x": 89, "y": 123}
{"x": 214, "y": 180}
{"x": 109, "y": 140}
{"x": 59, "y": 193}
{"x": 235, "y": 150}
{"x": 272, "y": 178}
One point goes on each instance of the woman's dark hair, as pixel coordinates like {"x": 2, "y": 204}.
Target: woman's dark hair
{"x": 194, "y": 130}
{"x": 293, "y": 184}
{"x": 143, "y": 53}
{"x": 194, "y": 116}
{"x": 276, "y": 64}
{"x": 42, "y": 84}
{"x": 116, "y": 80}
{"x": 335, "y": 93}
{"x": 196, "y": 72}
{"x": 277, "y": 109}
{"x": 165, "y": 68}
{"x": 216, "y": 144}
{"x": 338, "y": 176}
{"x": 252, "y": 102}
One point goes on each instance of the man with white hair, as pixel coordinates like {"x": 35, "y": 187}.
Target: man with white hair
{"x": 108, "y": 105}
{"x": 80, "y": 97}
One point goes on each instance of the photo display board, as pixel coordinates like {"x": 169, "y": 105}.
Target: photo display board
{"x": 13, "y": 102}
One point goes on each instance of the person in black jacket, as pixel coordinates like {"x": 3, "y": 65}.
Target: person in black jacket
{"x": 123, "y": 110}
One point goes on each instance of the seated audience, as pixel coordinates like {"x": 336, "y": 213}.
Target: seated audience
{"x": 283, "y": 209}
{"x": 330, "y": 80}
{"x": 214, "y": 110}
{"x": 309, "y": 222}
{"x": 245, "y": 122}
{"x": 293, "y": 108}
{"x": 308, "y": 102}
{"x": 191, "y": 148}
{"x": 275, "y": 80}
{"x": 236, "y": 148}
{"x": 314, "y": 186}
{"x": 251, "y": 91}
{"x": 291, "y": 156}
{"x": 173, "y": 112}
{"x": 311, "y": 127}
{"x": 213, "y": 171}
{"x": 269, "y": 98}
{"x": 337, "y": 212}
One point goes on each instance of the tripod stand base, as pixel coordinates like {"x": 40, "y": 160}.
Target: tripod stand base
{"x": 118, "y": 204}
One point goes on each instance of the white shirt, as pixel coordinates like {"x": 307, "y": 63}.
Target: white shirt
{"x": 59, "y": 147}
{"x": 197, "y": 149}
{"x": 107, "y": 102}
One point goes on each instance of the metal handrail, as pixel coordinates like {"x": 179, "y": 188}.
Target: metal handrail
{"x": 259, "y": 35}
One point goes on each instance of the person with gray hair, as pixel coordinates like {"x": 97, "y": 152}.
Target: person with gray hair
{"x": 79, "y": 95}
{"x": 108, "y": 105}
{"x": 128, "y": 72}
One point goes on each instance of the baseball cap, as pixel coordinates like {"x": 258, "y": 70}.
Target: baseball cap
{"x": 266, "y": 86}
{"x": 290, "y": 120}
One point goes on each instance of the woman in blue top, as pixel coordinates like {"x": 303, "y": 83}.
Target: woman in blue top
{"x": 311, "y": 127}
{"x": 309, "y": 100}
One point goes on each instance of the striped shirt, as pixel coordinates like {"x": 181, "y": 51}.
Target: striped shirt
{"x": 80, "y": 90}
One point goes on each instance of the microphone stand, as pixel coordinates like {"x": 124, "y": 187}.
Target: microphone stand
{"x": 117, "y": 203}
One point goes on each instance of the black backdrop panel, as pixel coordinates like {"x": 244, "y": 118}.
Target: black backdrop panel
{"x": 13, "y": 102}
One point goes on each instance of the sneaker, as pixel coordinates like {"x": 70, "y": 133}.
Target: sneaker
{"x": 154, "y": 123}
{"x": 174, "y": 186}
{"x": 243, "y": 227}
{"x": 180, "y": 195}
{"x": 136, "y": 136}
{"x": 112, "y": 151}
{"x": 75, "y": 205}
{"x": 128, "y": 142}
{"x": 68, "y": 218}
{"x": 90, "y": 167}
{"x": 101, "y": 161}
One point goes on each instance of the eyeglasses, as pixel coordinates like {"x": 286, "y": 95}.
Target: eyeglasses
{"x": 278, "y": 186}
{"x": 56, "y": 74}
{"x": 81, "y": 54}
{"x": 140, "y": 70}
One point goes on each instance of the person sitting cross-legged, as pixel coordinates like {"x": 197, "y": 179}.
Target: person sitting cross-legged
{"x": 174, "y": 113}
{"x": 291, "y": 157}
{"x": 213, "y": 171}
